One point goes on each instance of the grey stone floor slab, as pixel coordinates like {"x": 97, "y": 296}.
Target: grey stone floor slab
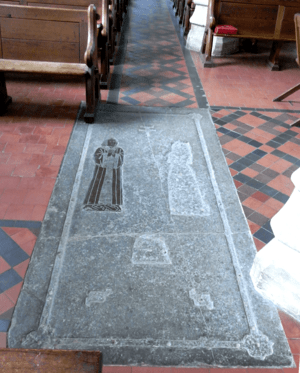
{"x": 145, "y": 252}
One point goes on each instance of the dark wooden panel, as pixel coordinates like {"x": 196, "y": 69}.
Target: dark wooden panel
{"x": 268, "y": 2}
{"x": 40, "y": 51}
{"x": 46, "y": 361}
{"x": 31, "y": 30}
{"x": 249, "y": 11}
{"x": 43, "y": 13}
{"x": 249, "y": 19}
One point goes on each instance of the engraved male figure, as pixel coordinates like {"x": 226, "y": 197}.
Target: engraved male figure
{"x": 105, "y": 190}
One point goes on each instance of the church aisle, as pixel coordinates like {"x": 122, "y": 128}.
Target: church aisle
{"x": 154, "y": 71}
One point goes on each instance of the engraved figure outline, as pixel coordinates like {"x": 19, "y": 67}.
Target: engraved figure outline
{"x": 185, "y": 197}
{"x": 105, "y": 192}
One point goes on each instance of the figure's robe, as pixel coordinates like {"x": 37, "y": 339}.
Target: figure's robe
{"x": 105, "y": 190}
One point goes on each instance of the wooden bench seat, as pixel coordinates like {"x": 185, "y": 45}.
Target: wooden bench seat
{"x": 107, "y": 25}
{"x": 49, "y": 361}
{"x": 68, "y": 47}
{"x": 254, "y": 19}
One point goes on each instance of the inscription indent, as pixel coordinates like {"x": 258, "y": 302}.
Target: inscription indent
{"x": 184, "y": 194}
{"x": 201, "y": 300}
{"x": 97, "y": 297}
{"x": 105, "y": 191}
{"x": 150, "y": 250}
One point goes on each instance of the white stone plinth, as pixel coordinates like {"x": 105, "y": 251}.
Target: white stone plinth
{"x": 221, "y": 46}
{"x": 276, "y": 269}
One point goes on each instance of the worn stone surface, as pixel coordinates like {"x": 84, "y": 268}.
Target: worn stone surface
{"x": 150, "y": 252}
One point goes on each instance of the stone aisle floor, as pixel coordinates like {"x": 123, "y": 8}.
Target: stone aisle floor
{"x": 261, "y": 149}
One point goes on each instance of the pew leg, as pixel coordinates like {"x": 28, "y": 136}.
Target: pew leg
{"x": 90, "y": 84}
{"x": 97, "y": 87}
{"x": 186, "y": 20}
{"x": 105, "y": 69}
{"x": 206, "y": 48}
{"x": 287, "y": 93}
{"x": 181, "y": 7}
{"x": 5, "y": 100}
{"x": 177, "y": 8}
{"x": 274, "y": 55}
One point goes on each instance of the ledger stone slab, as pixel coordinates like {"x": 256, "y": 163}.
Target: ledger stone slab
{"x": 150, "y": 266}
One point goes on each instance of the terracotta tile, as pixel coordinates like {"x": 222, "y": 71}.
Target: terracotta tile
{"x": 6, "y": 169}
{"x": 22, "y": 268}
{"x": 294, "y": 346}
{"x": 3, "y": 337}
{"x": 5, "y": 303}
{"x": 287, "y": 147}
{"x": 251, "y": 120}
{"x": 260, "y": 196}
{"x": 11, "y": 230}
{"x": 25, "y": 170}
{"x": 252, "y": 203}
{"x": 266, "y": 148}
{"x": 40, "y": 159}
{"x": 3, "y": 209}
{"x": 253, "y": 227}
{"x": 14, "y": 292}
{"x": 267, "y": 160}
{"x": 29, "y": 246}
{"x": 3, "y": 265}
{"x": 233, "y": 145}
{"x": 35, "y": 148}
{"x": 9, "y": 182}
{"x": 244, "y": 150}
{"x": 37, "y": 197}
{"x": 19, "y": 212}
{"x": 13, "y": 196}
{"x": 280, "y": 166}
{"x": 47, "y": 171}
{"x": 259, "y": 245}
{"x": 38, "y": 212}
{"x": 31, "y": 183}
{"x": 233, "y": 172}
{"x": 151, "y": 369}
{"x": 266, "y": 211}
{"x": 291, "y": 327}
{"x": 189, "y": 370}
{"x": 23, "y": 236}
{"x": 19, "y": 158}
{"x": 237, "y": 183}
{"x": 249, "y": 172}
{"x": 116, "y": 369}
{"x": 227, "y": 370}
{"x": 260, "y": 370}
{"x": 274, "y": 204}
{"x": 283, "y": 184}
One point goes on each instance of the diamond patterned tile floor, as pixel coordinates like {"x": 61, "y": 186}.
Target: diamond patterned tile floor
{"x": 154, "y": 72}
{"x": 261, "y": 160}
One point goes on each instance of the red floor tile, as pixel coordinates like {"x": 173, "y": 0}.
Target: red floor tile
{"x": 3, "y": 340}
{"x": 291, "y": 327}
{"x": 14, "y": 292}
{"x": 22, "y": 268}
{"x": 295, "y": 346}
{"x": 116, "y": 369}
{"x": 5, "y": 303}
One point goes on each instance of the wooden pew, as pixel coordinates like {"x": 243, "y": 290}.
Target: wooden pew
{"x": 254, "y": 19}
{"x": 49, "y": 361}
{"x": 296, "y": 87}
{"x": 68, "y": 47}
{"x": 106, "y": 27}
